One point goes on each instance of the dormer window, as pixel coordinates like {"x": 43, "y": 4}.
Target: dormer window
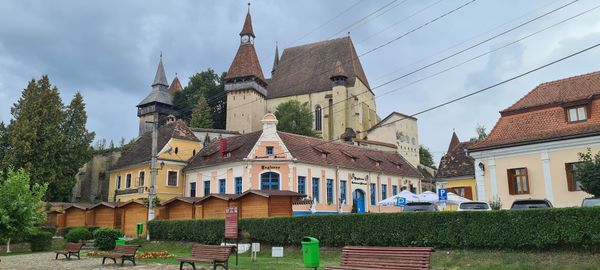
{"x": 227, "y": 154}
{"x": 269, "y": 150}
{"x": 577, "y": 114}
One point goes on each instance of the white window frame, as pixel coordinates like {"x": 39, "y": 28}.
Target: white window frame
{"x": 138, "y": 178}
{"x": 130, "y": 179}
{"x": 167, "y": 178}
{"x": 579, "y": 116}
{"x": 118, "y": 182}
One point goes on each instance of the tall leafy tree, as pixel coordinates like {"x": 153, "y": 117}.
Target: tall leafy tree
{"x": 201, "y": 115}
{"x": 425, "y": 156}
{"x": 294, "y": 117}
{"x": 36, "y": 136}
{"x": 4, "y": 146}
{"x": 19, "y": 205}
{"x": 209, "y": 85}
{"x": 76, "y": 148}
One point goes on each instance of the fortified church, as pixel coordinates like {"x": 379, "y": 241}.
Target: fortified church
{"x": 358, "y": 156}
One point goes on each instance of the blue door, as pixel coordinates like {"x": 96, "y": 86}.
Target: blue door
{"x": 358, "y": 196}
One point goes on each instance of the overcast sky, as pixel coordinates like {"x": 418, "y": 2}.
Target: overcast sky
{"x": 109, "y": 51}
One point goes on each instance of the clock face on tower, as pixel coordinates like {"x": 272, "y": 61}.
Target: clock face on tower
{"x": 245, "y": 39}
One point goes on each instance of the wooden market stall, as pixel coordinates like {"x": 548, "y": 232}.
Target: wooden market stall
{"x": 213, "y": 205}
{"x": 267, "y": 203}
{"x": 77, "y": 215}
{"x": 179, "y": 208}
{"x": 132, "y": 213}
{"x": 107, "y": 214}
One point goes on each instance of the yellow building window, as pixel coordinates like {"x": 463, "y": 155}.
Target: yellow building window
{"x": 518, "y": 181}
{"x": 572, "y": 182}
{"x": 172, "y": 178}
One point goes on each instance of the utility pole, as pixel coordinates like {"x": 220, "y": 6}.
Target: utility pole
{"x": 153, "y": 171}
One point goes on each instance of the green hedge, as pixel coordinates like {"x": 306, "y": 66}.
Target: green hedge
{"x": 78, "y": 234}
{"x": 64, "y": 231}
{"x": 538, "y": 229}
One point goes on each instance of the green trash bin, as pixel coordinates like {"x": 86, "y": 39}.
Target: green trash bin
{"x": 120, "y": 241}
{"x": 310, "y": 252}
{"x": 139, "y": 229}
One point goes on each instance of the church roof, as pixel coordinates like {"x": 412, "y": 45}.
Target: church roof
{"x": 307, "y": 68}
{"x": 160, "y": 91}
{"x": 175, "y": 86}
{"x": 247, "y": 29}
{"x": 141, "y": 150}
{"x": 308, "y": 150}
{"x": 245, "y": 63}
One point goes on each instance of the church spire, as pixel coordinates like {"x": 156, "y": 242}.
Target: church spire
{"x": 276, "y": 59}
{"x": 160, "y": 78}
{"x": 247, "y": 28}
{"x": 453, "y": 142}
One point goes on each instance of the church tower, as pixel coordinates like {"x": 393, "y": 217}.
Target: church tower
{"x": 245, "y": 85}
{"x": 158, "y": 102}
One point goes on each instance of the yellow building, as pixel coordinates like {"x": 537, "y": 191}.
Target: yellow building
{"x": 327, "y": 76}
{"x": 532, "y": 150}
{"x": 130, "y": 176}
{"x": 456, "y": 172}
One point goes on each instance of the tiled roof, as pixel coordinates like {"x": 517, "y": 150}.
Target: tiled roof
{"x": 308, "y": 68}
{"x": 141, "y": 150}
{"x": 175, "y": 86}
{"x": 540, "y": 116}
{"x": 560, "y": 91}
{"x": 456, "y": 163}
{"x": 309, "y": 150}
{"x": 245, "y": 63}
{"x": 247, "y": 28}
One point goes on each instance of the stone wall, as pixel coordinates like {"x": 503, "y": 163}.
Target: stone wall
{"x": 93, "y": 178}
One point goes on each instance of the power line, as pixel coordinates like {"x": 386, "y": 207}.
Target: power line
{"x": 325, "y": 23}
{"x": 365, "y": 17}
{"x": 465, "y": 41}
{"x": 476, "y": 44}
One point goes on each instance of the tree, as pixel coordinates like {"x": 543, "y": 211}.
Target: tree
{"x": 76, "y": 147}
{"x": 19, "y": 205}
{"x": 4, "y": 146}
{"x": 588, "y": 172}
{"x": 201, "y": 115}
{"x": 205, "y": 84}
{"x": 481, "y": 133}
{"x": 425, "y": 156}
{"x": 36, "y": 136}
{"x": 294, "y": 117}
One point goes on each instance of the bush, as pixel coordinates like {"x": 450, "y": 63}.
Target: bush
{"x": 104, "y": 238}
{"x": 530, "y": 229}
{"x": 77, "y": 234}
{"x": 40, "y": 240}
{"x": 64, "y": 231}
{"x": 49, "y": 228}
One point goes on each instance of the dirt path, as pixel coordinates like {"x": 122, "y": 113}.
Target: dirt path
{"x": 39, "y": 261}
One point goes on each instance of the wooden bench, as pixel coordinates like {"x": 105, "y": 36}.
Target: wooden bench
{"x": 215, "y": 255}
{"x": 123, "y": 252}
{"x": 356, "y": 257}
{"x": 70, "y": 249}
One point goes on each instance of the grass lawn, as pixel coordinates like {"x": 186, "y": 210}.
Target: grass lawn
{"x": 22, "y": 248}
{"x": 442, "y": 259}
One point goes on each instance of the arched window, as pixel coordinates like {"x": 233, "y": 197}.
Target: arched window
{"x": 269, "y": 181}
{"x": 318, "y": 118}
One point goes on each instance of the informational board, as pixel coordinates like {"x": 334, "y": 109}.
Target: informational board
{"x": 401, "y": 201}
{"x": 277, "y": 252}
{"x": 255, "y": 247}
{"x": 231, "y": 222}
{"x": 442, "y": 195}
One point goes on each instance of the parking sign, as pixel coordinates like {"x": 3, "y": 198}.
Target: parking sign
{"x": 442, "y": 194}
{"x": 401, "y": 201}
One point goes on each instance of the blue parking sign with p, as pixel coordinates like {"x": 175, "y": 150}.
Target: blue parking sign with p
{"x": 442, "y": 194}
{"x": 400, "y": 201}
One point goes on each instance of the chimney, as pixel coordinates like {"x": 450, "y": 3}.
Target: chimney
{"x": 171, "y": 119}
{"x": 223, "y": 146}
{"x": 269, "y": 123}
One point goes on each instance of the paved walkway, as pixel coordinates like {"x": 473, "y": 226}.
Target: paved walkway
{"x": 41, "y": 261}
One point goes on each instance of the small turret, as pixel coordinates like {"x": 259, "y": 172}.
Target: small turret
{"x": 339, "y": 74}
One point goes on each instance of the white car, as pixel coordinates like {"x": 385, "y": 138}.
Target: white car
{"x": 474, "y": 206}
